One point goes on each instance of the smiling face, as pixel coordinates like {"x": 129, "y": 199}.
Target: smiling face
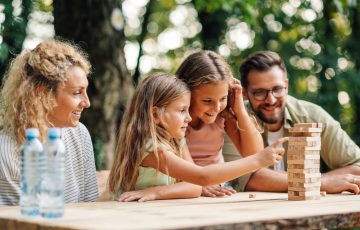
{"x": 71, "y": 99}
{"x": 175, "y": 116}
{"x": 207, "y": 101}
{"x": 271, "y": 109}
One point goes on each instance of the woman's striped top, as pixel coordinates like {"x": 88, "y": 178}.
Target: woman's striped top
{"x": 80, "y": 172}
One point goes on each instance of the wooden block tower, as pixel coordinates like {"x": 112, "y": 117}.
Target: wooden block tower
{"x": 303, "y": 160}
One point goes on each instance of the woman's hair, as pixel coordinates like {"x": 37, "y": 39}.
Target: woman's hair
{"x": 204, "y": 67}
{"x": 139, "y": 132}
{"x": 29, "y": 86}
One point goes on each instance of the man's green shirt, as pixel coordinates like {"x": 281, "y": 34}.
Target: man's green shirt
{"x": 337, "y": 148}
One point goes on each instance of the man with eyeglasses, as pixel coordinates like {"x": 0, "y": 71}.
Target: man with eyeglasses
{"x": 265, "y": 85}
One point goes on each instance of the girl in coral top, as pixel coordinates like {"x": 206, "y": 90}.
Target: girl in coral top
{"x": 217, "y": 108}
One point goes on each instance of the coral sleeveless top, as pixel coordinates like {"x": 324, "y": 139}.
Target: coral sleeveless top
{"x": 205, "y": 144}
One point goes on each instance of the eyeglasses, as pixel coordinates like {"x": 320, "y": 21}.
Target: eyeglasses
{"x": 262, "y": 94}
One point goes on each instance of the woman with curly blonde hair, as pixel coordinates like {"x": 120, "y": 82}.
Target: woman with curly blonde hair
{"x": 46, "y": 87}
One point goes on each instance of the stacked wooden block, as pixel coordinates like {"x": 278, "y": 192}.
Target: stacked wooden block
{"x": 303, "y": 161}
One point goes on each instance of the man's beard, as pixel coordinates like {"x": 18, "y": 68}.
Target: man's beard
{"x": 271, "y": 120}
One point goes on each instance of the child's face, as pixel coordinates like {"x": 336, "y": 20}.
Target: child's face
{"x": 207, "y": 101}
{"x": 175, "y": 117}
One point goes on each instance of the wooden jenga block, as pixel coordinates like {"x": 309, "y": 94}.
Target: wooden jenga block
{"x": 302, "y": 189}
{"x": 305, "y": 143}
{"x": 303, "y": 175}
{"x": 304, "y": 130}
{"x": 300, "y": 139}
{"x": 303, "y": 148}
{"x": 305, "y": 180}
{"x": 307, "y": 193}
{"x": 251, "y": 195}
{"x": 299, "y": 198}
{"x": 314, "y": 170}
{"x": 304, "y": 162}
{"x": 306, "y": 134}
{"x": 302, "y": 166}
{"x": 304, "y": 185}
{"x": 303, "y": 157}
{"x": 308, "y": 125}
{"x": 295, "y": 198}
{"x": 303, "y": 152}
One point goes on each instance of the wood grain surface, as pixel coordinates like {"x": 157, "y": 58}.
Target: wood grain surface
{"x": 264, "y": 211}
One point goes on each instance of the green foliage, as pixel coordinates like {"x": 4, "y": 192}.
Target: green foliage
{"x": 243, "y": 9}
{"x": 4, "y": 53}
{"x": 210, "y": 8}
{"x": 43, "y": 6}
{"x": 99, "y": 154}
{"x": 312, "y": 48}
{"x": 13, "y": 31}
{"x": 321, "y": 54}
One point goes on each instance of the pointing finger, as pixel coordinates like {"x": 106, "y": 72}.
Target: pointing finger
{"x": 279, "y": 142}
{"x": 280, "y": 151}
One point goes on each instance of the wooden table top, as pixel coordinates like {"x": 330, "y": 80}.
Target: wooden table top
{"x": 237, "y": 211}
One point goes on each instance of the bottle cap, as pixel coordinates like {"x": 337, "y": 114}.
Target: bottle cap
{"x": 53, "y": 133}
{"x": 31, "y": 133}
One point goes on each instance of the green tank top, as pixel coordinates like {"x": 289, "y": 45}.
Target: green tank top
{"x": 149, "y": 177}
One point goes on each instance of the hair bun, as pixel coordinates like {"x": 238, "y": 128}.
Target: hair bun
{"x": 49, "y": 62}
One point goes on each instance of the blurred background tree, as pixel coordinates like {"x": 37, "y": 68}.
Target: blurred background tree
{"x": 131, "y": 38}
{"x": 97, "y": 26}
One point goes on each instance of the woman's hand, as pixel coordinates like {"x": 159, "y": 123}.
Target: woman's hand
{"x": 216, "y": 190}
{"x": 139, "y": 195}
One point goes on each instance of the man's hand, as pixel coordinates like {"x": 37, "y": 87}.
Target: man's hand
{"x": 216, "y": 190}
{"x": 337, "y": 183}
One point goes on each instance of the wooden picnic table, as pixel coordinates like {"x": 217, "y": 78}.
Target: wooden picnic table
{"x": 266, "y": 210}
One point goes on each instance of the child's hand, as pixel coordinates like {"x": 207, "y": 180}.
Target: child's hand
{"x": 272, "y": 155}
{"x": 236, "y": 99}
{"x": 216, "y": 190}
{"x": 139, "y": 195}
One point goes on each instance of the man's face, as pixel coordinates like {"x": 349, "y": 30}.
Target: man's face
{"x": 267, "y": 92}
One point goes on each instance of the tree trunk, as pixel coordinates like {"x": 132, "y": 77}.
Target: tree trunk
{"x": 213, "y": 28}
{"x": 88, "y": 23}
{"x": 328, "y": 92}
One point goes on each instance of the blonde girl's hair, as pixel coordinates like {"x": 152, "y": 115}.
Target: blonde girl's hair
{"x": 139, "y": 128}
{"x": 30, "y": 84}
{"x": 204, "y": 67}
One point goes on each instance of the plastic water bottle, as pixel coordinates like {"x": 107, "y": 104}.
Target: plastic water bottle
{"x": 30, "y": 173}
{"x": 52, "y": 186}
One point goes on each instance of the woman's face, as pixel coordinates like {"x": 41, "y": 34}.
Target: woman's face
{"x": 71, "y": 99}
